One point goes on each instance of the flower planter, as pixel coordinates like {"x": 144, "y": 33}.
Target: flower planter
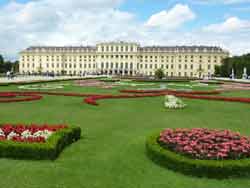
{"x": 36, "y": 141}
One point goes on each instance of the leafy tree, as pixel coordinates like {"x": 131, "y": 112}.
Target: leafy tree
{"x": 238, "y": 63}
{"x": 8, "y": 65}
{"x": 159, "y": 74}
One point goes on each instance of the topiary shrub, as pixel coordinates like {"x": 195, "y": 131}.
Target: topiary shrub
{"x": 196, "y": 167}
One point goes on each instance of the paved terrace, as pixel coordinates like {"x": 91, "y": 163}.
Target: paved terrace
{"x": 40, "y": 78}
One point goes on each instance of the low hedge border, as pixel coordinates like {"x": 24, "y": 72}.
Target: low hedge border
{"x": 49, "y": 150}
{"x": 201, "y": 168}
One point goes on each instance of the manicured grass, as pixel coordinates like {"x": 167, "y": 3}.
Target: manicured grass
{"x": 112, "y": 150}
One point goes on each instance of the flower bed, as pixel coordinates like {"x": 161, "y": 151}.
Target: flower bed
{"x": 35, "y": 141}
{"x": 173, "y": 102}
{"x": 9, "y": 97}
{"x": 94, "y": 83}
{"x": 206, "y": 144}
{"x": 222, "y": 168}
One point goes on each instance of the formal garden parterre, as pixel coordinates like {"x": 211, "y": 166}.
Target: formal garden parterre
{"x": 116, "y": 128}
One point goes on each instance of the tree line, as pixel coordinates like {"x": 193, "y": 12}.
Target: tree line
{"x": 238, "y": 63}
{"x": 6, "y": 66}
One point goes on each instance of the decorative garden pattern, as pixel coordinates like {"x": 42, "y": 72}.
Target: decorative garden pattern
{"x": 186, "y": 151}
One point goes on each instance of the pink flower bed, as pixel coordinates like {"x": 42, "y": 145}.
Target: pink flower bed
{"x": 23, "y": 133}
{"x": 200, "y": 143}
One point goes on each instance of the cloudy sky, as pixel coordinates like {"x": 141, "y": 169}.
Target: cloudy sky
{"x": 24, "y": 23}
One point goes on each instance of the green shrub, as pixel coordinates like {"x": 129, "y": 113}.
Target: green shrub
{"x": 200, "y": 168}
{"x": 159, "y": 74}
{"x": 38, "y": 151}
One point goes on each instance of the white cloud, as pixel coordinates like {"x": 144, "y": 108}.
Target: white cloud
{"x": 75, "y": 22}
{"x": 171, "y": 19}
{"x": 232, "y": 24}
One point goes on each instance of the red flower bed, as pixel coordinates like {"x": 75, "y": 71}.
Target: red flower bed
{"x": 92, "y": 99}
{"x": 23, "y": 133}
{"x": 217, "y": 98}
{"x": 9, "y": 97}
{"x": 202, "y": 143}
{"x": 7, "y": 94}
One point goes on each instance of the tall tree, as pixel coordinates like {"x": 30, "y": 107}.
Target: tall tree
{"x": 238, "y": 63}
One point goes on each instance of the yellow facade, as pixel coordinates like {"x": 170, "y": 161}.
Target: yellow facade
{"x": 122, "y": 58}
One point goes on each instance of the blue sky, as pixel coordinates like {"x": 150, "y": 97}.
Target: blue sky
{"x": 224, "y": 23}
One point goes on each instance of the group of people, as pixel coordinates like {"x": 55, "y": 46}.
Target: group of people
{"x": 10, "y": 74}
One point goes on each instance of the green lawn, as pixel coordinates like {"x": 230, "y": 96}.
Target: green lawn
{"x": 112, "y": 150}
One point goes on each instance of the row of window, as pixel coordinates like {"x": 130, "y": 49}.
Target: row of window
{"x": 117, "y": 48}
{"x": 74, "y": 72}
{"x": 117, "y": 65}
{"x": 180, "y": 58}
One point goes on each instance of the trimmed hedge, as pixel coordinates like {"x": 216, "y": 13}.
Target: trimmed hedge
{"x": 201, "y": 168}
{"x": 49, "y": 150}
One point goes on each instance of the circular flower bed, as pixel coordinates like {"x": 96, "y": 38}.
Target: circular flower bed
{"x": 202, "y": 143}
{"x": 201, "y": 152}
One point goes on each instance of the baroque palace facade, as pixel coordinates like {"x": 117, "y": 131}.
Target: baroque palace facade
{"x": 122, "y": 58}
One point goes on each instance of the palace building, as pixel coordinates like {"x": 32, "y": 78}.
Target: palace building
{"x": 122, "y": 58}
